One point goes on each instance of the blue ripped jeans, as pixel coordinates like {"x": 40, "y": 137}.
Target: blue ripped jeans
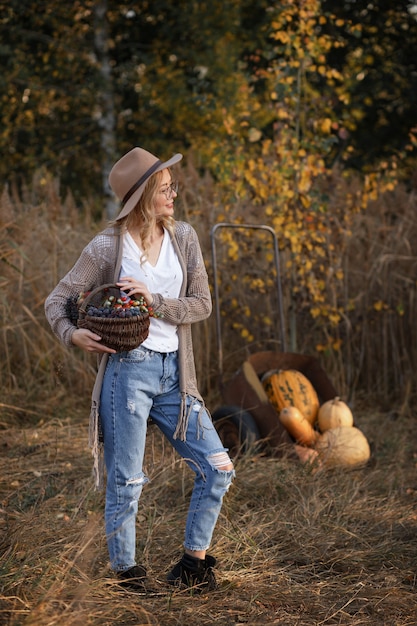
{"x": 137, "y": 385}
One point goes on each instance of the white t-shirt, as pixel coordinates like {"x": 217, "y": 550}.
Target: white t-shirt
{"x": 165, "y": 278}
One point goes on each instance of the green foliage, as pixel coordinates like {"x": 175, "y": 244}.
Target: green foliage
{"x": 379, "y": 66}
{"x": 47, "y": 92}
{"x": 183, "y": 72}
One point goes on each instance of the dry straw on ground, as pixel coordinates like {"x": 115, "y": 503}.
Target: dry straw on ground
{"x": 295, "y": 548}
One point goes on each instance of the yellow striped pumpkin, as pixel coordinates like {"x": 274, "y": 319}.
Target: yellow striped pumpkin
{"x": 286, "y": 388}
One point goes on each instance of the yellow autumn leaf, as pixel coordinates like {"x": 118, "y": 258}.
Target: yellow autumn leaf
{"x": 334, "y": 318}
{"x": 326, "y": 125}
{"x": 282, "y": 114}
{"x": 281, "y": 36}
{"x": 337, "y": 344}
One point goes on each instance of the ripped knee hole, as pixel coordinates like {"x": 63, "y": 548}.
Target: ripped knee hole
{"x": 221, "y": 461}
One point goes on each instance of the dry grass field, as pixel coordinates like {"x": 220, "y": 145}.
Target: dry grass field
{"x": 295, "y": 547}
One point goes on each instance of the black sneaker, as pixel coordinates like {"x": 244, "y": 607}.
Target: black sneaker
{"x": 133, "y": 578}
{"x": 196, "y": 574}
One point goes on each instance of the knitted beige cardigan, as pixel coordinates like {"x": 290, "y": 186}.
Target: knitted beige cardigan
{"x": 100, "y": 263}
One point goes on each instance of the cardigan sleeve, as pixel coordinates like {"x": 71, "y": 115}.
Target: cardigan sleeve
{"x": 94, "y": 267}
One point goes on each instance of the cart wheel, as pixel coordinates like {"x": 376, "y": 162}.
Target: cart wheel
{"x": 236, "y": 427}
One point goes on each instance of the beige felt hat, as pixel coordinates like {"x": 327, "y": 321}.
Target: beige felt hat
{"x": 128, "y": 177}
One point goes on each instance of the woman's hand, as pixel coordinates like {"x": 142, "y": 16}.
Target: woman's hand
{"x": 133, "y": 287}
{"x": 89, "y": 341}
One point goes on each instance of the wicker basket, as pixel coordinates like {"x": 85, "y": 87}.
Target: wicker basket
{"x": 121, "y": 334}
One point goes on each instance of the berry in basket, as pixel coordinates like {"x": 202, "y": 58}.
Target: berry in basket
{"x": 122, "y": 322}
{"x": 120, "y": 307}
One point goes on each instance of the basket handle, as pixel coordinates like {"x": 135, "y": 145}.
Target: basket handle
{"x": 83, "y": 306}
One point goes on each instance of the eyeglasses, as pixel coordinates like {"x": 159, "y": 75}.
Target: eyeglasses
{"x": 170, "y": 190}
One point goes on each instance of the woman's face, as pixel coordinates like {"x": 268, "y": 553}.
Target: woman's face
{"x": 165, "y": 196}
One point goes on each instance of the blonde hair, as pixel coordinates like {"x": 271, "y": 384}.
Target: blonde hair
{"x": 142, "y": 217}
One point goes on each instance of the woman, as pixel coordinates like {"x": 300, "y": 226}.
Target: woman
{"x": 147, "y": 253}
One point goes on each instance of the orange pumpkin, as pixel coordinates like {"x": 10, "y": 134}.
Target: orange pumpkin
{"x": 298, "y": 427}
{"x": 291, "y": 388}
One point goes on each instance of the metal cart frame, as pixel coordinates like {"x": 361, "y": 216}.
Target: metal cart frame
{"x": 247, "y": 416}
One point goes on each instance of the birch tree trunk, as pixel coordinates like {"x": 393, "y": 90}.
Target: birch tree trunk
{"x": 105, "y": 104}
